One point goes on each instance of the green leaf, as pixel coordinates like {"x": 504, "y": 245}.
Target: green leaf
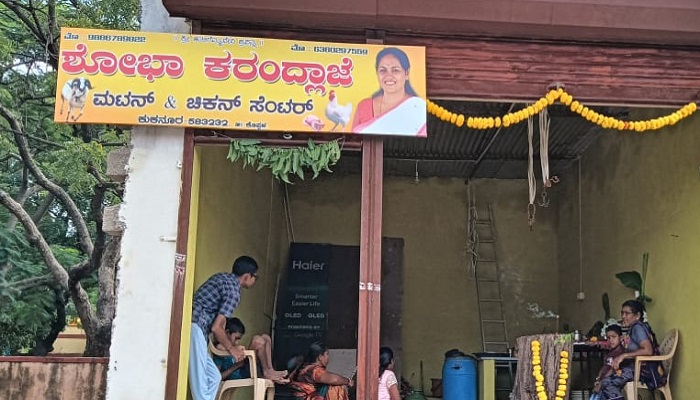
{"x": 606, "y": 305}
{"x": 630, "y": 279}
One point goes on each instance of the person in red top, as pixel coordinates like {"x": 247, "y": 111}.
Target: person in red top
{"x": 614, "y": 336}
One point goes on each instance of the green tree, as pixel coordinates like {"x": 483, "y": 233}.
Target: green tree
{"x": 55, "y": 260}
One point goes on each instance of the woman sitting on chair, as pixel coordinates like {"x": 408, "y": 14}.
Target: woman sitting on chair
{"x": 311, "y": 380}
{"x": 641, "y": 342}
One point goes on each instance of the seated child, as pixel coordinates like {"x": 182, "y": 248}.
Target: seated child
{"x": 614, "y": 335}
{"x": 261, "y": 344}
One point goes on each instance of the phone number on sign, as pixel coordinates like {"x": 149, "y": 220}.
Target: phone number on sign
{"x": 207, "y": 122}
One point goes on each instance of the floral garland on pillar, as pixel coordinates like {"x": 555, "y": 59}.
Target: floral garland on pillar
{"x": 561, "y": 96}
{"x": 562, "y": 382}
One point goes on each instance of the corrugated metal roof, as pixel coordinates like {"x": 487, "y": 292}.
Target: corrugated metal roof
{"x": 466, "y": 153}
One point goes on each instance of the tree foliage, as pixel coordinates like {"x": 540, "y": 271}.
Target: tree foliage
{"x": 55, "y": 261}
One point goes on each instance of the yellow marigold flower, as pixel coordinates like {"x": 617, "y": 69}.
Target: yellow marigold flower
{"x": 540, "y": 388}
{"x": 584, "y": 111}
{"x": 497, "y": 122}
{"x": 562, "y": 388}
{"x": 579, "y": 108}
{"x": 560, "y": 91}
{"x": 693, "y": 107}
{"x": 563, "y": 376}
{"x": 561, "y": 393}
{"x": 562, "y": 381}
{"x": 460, "y": 120}
{"x": 453, "y": 118}
{"x": 506, "y": 124}
{"x": 574, "y": 106}
{"x": 563, "y": 370}
{"x": 539, "y": 378}
{"x": 470, "y": 122}
{"x": 564, "y": 362}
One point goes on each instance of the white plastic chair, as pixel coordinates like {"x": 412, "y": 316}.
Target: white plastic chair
{"x": 261, "y": 386}
{"x": 667, "y": 348}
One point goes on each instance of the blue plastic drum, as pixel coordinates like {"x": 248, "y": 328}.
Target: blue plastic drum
{"x": 459, "y": 378}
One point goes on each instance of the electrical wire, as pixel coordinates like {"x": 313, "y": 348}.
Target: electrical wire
{"x": 580, "y": 234}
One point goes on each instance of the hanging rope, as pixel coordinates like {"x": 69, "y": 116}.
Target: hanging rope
{"x": 544, "y": 147}
{"x": 544, "y": 155}
{"x": 530, "y": 174}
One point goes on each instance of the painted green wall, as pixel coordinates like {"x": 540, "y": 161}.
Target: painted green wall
{"x": 639, "y": 194}
{"x": 439, "y": 303}
{"x": 240, "y": 213}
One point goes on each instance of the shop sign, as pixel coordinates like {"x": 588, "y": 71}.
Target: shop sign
{"x": 219, "y": 82}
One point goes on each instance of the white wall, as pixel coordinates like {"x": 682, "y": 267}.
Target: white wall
{"x": 152, "y": 197}
{"x": 139, "y": 351}
{"x": 141, "y": 328}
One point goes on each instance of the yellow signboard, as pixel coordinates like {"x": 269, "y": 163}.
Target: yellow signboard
{"x": 217, "y": 82}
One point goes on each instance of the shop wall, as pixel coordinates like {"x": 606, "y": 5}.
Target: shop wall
{"x": 639, "y": 194}
{"x": 240, "y": 213}
{"x": 439, "y": 299}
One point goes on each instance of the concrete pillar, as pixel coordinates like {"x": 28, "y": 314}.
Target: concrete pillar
{"x": 111, "y": 224}
{"x": 117, "y": 161}
{"x": 149, "y": 213}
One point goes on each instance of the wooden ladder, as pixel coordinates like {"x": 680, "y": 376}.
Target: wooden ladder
{"x": 494, "y": 333}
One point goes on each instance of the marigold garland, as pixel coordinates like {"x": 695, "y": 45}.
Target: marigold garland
{"x": 565, "y": 98}
{"x": 562, "y": 384}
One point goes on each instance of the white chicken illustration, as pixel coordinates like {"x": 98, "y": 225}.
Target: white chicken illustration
{"x": 339, "y": 115}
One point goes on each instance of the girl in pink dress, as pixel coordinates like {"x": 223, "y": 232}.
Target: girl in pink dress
{"x": 388, "y": 385}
